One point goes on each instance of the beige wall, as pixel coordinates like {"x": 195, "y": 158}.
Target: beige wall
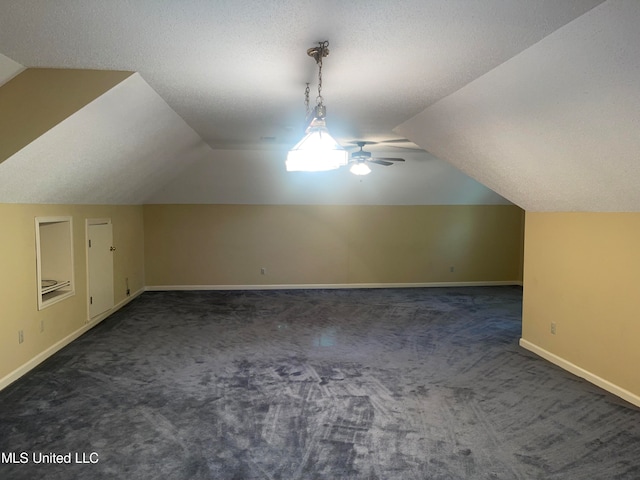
{"x": 228, "y": 244}
{"x": 36, "y": 100}
{"x": 18, "y": 300}
{"x": 582, "y": 271}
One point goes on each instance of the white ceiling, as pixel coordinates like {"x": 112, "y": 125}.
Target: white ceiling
{"x": 235, "y": 71}
{"x": 557, "y": 127}
{"x": 129, "y": 147}
{"x": 116, "y": 150}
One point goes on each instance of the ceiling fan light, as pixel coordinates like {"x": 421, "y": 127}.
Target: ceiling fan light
{"x": 316, "y": 152}
{"x": 360, "y": 168}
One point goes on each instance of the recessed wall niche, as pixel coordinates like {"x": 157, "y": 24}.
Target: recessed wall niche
{"x": 54, "y": 260}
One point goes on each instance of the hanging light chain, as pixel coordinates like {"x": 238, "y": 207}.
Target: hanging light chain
{"x": 322, "y": 52}
{"x": 306, "y": 99}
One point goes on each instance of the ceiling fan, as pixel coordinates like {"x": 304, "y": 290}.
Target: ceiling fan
{"x": 360, "y": 159}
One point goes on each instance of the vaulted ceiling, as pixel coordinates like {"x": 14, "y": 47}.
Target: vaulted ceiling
{"x": 557, "y": 127}
{"x": 526, "y": 97}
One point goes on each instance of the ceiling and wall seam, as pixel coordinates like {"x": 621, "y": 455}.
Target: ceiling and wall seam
{"x": 37, "y": 99}
{"x": 117, "y": 149}
{"x": 555, "y": 127}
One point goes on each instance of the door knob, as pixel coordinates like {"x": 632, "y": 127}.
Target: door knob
{"x": 113, "y": 249}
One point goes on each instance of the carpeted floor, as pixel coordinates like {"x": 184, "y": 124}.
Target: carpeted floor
{"x": 319, "y": 385}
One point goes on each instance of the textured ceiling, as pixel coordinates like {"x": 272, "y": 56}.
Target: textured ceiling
{"x": 127, "y": 146}
{"x": 528, "y": 97}
{"x": 556, "y": 128}
{"x": 235, "y": 69}
{"x": 116, "y": 150}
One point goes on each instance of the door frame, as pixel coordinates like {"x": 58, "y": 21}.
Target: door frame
{"x": 88, "y": 223}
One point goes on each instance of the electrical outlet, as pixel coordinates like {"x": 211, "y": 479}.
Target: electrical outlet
{"x": 20, "y": 336}
{"x": 263, "y": 271}
{"x": 451, "y": 269}
{"x": 553, "y": 328}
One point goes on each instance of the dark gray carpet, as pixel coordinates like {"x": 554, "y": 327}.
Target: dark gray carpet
{"x": 326, "y": 384}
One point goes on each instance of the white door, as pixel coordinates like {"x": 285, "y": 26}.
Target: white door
{"x": 100, "y": 266}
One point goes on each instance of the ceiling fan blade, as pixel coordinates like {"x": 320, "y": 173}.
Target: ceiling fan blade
{"x": 389, "y": 159}
{"x": 396, "y": 140}
{"x": 381, "y": 162}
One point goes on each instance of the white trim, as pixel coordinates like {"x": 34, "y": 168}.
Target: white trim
{"x": 98, "y": 318}
{"x": 581, "y": 372}
{"x": 88, "y": 223}
{"x": 317, "y": 286}
{"x": 98, "y": 221}
{"x": 54, "y": 219}
{"x": 42, "y": 356}
{"x": 61, "y": 294}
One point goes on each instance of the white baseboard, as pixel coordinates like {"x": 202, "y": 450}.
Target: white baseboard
{"x": 581, "y": 372}
{"x": 42, "y": 356}
{"x": 98, "y": 318}
{"x": 317, "y": 286}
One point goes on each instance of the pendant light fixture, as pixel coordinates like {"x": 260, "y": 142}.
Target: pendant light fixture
{"x": 318, "y": 150}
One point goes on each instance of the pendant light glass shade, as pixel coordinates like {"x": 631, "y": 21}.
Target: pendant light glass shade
{"x": 317, "y": 151}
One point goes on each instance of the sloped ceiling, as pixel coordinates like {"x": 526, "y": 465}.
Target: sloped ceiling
{"x": 38, "y": 99}
{"x": 557, "y": 127}
{"x": 127, "y": 144}
{"x": 235, "y": 72}
{"x": 118, "y": 149}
